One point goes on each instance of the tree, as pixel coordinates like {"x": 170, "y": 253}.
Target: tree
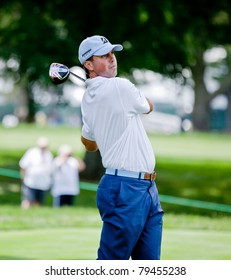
{"x": 209, "y": 28}
{"x": 30, "y": 36}
{"x": 171, "y": 36}
{"x": 165, "y": 36}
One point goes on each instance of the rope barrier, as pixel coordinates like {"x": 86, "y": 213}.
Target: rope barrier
{"x": 9, "y": 173}
{"x": 163, "y": 198}
{"x": 195, "y": 203}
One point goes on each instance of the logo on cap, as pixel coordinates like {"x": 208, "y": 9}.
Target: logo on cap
{"x": 104, "y": 40}
{"x": 84, "y": 54}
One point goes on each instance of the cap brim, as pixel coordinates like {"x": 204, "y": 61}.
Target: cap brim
{"x": 108, "y": 49}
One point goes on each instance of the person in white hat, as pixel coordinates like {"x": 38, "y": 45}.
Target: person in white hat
{"x": 127, "y": 197}
{"x": 66, "y": 168}
{"x": 35, "y": 168}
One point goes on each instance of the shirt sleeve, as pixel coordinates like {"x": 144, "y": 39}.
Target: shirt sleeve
{"x": 86, "y": 133}
{"x": 25, "y": 160}
{"x": 134, "y": 101}
{"x": 86, "y": 130}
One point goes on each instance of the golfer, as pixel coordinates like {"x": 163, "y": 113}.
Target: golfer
{"x": 127, "y": 197}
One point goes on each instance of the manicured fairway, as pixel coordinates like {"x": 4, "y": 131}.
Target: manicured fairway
{"x": 184, "y": 146}
{"x": 70, "y": 243}
{"x": 74, "y": 234}
{"x": 196, "y": 245}
{"x": 82, "y": 243}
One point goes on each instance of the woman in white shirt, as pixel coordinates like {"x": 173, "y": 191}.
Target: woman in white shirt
{"x": 66, "y": 168}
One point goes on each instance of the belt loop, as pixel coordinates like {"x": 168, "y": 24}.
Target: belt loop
{"x": 116, "y": 172}
{"x": 139, "y": 175}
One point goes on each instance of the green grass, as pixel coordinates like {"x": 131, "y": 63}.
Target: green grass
{"x": 73, "y": 233}
{"x": 191, "y": 165}
{"x": 41, "y": 244}
{"x": 193, "y": 146}
{"x": 196, "y": 245}
{"x": 209, "y": 182}
{"x": 184, "y": 147}
{"x": 194, "y": 165}
{"x": 82, "y": 244}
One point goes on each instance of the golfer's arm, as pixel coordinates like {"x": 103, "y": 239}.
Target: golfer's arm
{"x": 90, "y": 146}
{"x": 150, "y": 105}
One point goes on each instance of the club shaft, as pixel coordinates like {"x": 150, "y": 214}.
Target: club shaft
{"x": 82, "y": 79}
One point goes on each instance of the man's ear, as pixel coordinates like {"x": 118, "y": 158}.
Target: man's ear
{"x": 88, "y": 65}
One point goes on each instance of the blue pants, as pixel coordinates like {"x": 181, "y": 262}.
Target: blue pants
{"x": 132, "y": 219}
{"x": 33, "y": 195}
{"x": 63, "y": 200}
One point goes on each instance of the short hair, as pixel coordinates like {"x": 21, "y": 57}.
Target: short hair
{"x": 85, "y": 69}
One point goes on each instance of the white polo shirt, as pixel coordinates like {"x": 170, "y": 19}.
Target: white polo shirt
{"x": 110, "y": 112}
{"x": 38, "y": 168}
{"x": 65, "y": 176}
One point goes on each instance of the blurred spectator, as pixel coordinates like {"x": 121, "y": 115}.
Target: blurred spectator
{"x": 10, "y": 121}
{"x": 36, "y": 167}
{"x": 66, "y": 170}
{"x": 41, "y": 118}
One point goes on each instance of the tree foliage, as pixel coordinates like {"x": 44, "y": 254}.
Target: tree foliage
{"x": 165, "y": 36}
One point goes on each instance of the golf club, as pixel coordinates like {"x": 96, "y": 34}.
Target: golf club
{"x": 59, "y": 73}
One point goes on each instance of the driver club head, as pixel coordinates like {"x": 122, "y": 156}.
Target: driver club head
{"x": 58, "y": 73}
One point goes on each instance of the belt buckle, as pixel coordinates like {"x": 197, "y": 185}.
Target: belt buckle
{"x": 150, "y": 176}
{"x": 153, "y": 176}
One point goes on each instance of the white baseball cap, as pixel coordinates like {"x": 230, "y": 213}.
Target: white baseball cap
{"x": 96, "y": 45}
{"x": 42, "y": 142}
{"x": 65, "y": 150}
